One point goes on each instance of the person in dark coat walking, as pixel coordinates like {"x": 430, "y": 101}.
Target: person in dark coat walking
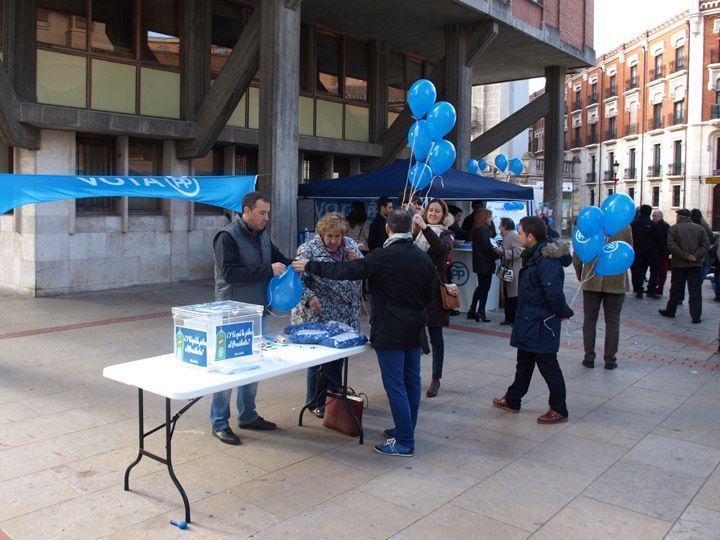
{"x": 401, "y": 277}
{"x": 541, "y": 307}
{"x": 377, "y": 234}
{"x": 484, "y": 255}
{"x": 664, "y": 256}
{"x": 647, "y": 243}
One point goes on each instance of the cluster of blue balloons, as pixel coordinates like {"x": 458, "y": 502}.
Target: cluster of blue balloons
{"x": 284, "y": 291}
{"x": 477, "y": 166}
{"x": 433, "y": 154}
{"x": 594, "y": 224}
{"x": 514, "y": 206}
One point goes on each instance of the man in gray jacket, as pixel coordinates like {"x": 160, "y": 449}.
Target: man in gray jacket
{"x": 245, "y": 260}
{"x": 688, "y": 244}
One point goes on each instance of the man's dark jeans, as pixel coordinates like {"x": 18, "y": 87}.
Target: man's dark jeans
{"x": 681, "y": 276}
{"x": 640, "y": 268}
{"x": 612, "y": 305}
{"x": 549, "y": 368}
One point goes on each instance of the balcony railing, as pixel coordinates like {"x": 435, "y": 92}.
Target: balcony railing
{"x": 714, "y": 111}
{"x": 675, "y": 119}
{"x": 577, "y": 105}
{"x": 592, "y": 99}
{"x": 631, "y": 83}
{"x": 675, "y": 169}
{"x": 592, "y": 138}
{"x": 575, "y": 143}
{"x": 631, "y": 129}
{"x": 610, "y": 92}
{"x": 677, "y": 65}
{"x": 591, "y": 177}
{"x": 607, "y": 176}
{"x": 655, "y": 123}
{"x": 610, "y": 133}
{"x": 657, "y": 73}
{"x": 630, "y": 174}
{"x": 655, "y": 171}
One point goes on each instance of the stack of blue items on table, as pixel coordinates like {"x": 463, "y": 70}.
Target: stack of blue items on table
{"x": 330, "y": 334}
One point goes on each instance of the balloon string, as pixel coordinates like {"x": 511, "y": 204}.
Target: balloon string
{"x": 583, "y": 281}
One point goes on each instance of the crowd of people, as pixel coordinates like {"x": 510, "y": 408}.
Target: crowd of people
{"x": 402, "y": 258}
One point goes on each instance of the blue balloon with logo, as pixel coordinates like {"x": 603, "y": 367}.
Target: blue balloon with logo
{"x": 419, "y": 140}
{"x": 590, "y": 220}
{"x": 516, "y": 166}
{"x": 284, "y": 291}
{"x": 619, "y": 212}
{"x": 587, "y": 247}
{"x": 501, "y": 162}
{"x": 482, "y": 164}
{"x": 615, "y": 258}
{"x": 472, "y": 166}
{"x": 421, "y": 97}
{"x": 420, "y": 175}
{"x": 441, "y": 120}
{"x": 442, "y": 157}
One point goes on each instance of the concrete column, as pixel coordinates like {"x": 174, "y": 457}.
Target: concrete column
{"x": 229, "y": 160}
{"x": 327, "y": 166}
{"x": 355, "y": 166}
{"x": 554, "y": 141}
{"x": 122, "y": 155}
{"x": 458, "y": 90}
{"x": 195, "y": 77}
{"x": 278, "y": 134}
{"x": 377, "y": 90}
{"x": 20, "y": 57}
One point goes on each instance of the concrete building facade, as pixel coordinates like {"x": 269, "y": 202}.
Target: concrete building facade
{"x": 290, "y": 90}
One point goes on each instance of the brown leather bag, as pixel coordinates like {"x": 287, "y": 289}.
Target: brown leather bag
{"x": 336, "y": 415}
{"x": 449, "y": 300}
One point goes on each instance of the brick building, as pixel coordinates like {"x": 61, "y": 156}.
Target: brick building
{"x": 651, "y": 110}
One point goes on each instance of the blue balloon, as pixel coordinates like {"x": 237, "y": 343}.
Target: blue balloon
{"x": 419, "y": 140}
{"x": 509, "y": 206}
{"x": 482, "y": 164}
{"x": 285, "y": 291}
{"x": 420, "y": 175}
{"x": 441, "y": 120}
{"x": 516, "y": 166}
{"x": 587, "y": 248}
{"x": 619, "y": 212}
{"x": 421, "y": 97}
{"x": 442, "y": 157}
{"x": 472, "y": 166}
{"x": 550, "y": 222}
{"x": 615, "y": 258}
{"x": 501, "y": 162}
{"x": 590, "y": 220}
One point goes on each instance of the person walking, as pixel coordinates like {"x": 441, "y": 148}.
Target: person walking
{"x": 377, "y": 234}
{"x": 434, "y": 239}
{"x": 245, "y": 260}
{"x": 688, "y": 243}
{"x": 541, "y": 307}
{"x": 664, "y": 255}
{"x": 608, "y": 291}
{"x": 358, "y": 225}
{"x": 697, "y": 218}
{"x": 511, "y": 255}
{"x": 401, "y": 276}
{"x": 484, "y": 255}
{"x": 647, "y": 242}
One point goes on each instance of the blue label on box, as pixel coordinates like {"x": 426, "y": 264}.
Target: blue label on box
{"x": 191, "y": 346}
{"x": 234, "y": 340}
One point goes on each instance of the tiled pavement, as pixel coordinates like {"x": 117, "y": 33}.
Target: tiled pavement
{"x": 638, "y": 458}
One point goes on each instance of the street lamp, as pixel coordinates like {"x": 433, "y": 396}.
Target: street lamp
{"x": 615, "y": 168}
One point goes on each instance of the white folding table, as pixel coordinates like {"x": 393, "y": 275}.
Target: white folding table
{"x": 168, "y": 377}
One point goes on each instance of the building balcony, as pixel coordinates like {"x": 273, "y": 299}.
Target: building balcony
{"x": 577, "y": 105}
{"x": 714, "y": 111}
{"x": 608, "y": 176}
{"x": 610, "y": 133}
{"x": 631, "y": 129}
{"x": 677, "y": 65}
{"x": 675, "y": 169}
{"x": 655, "y": 123}
{"x": 592, "y": 138}
{"x": 591, "y": 177}
{"x": 674, "y": 119}
{"x": 592, "y": 99}
{"x": 631, "y": 84}
{"x": 575, "y": 143}
{"x": 657, "y": 73}
{"x": 630, "y": 174}
{"x": 610, "y": 92}
{"x": 654, "y": 171}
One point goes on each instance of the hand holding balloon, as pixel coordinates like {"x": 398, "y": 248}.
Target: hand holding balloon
{"x": 299, "y": 265}
{"x": 278, "y": 268}
{"x": 284, "y": 292}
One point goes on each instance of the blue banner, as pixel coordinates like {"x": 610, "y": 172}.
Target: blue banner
{"x": 224, "y": 191}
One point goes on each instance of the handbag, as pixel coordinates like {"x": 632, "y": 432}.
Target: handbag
{"x": 336, "y": 415}
{"x": 505, "y": 271}
{"x": 448, "y": 294}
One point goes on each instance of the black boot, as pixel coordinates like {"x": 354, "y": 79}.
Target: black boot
{"x": 481, "y": 317}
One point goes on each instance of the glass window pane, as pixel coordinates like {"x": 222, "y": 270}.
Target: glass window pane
{"x": 237, "y": 118}
{"x": 61, "y": 79}
{"x": 356, "y": 66}
{"x": 245, "y": 161}
{"x": 112, "y": 26}
{"x": 357, "y": 123}
{"x": 329, "y": 119}
{"x": 228, "y": 21}
{"x": 112, "y": 86}
{"x": 328, "y": 64}
{"x": 307, "y": 116}
{"x": 144, "y": 159}
{"x": 160, "y": 43}
{"x": 159, "y": 93}
{"x": 95, "y": 157}
{"x": 253, "y": 94}
{"x": 62, "y": 22}
{"x": 396, "y": 82}
{"x": 414, "y": 71}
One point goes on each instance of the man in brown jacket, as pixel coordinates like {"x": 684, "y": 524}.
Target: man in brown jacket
{"x": 608, "y": 291}
{"x": 688, "y": 244}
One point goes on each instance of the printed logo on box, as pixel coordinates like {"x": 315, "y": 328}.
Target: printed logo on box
{"x": 234, "y": 340}
{"x": 191, "y": 346}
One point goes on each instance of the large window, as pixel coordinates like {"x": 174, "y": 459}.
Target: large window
{"x": 656, "y": 196}
{"x": 95, "y": 158}
{"x": 676, "y": 196}
{"x": 228, "y": 22}
{"x": 356, "y": 70}
{"x": 144, "y": 159}
{"x": 246, "y": 161}
{"x": 113, "y": 27}
{"x": 159, "y": 34}
{"x": 329, "y": 64}
{"x": 402, "y": 72}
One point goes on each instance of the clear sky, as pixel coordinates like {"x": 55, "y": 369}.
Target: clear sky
{"x": 617, "y": 21}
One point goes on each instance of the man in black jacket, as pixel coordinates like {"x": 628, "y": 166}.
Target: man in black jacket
{"x": 401, "y": 277}
{"x": 647, "y": 241}
{"x": 377, "y": 234}
{"x": 664, "y": 259}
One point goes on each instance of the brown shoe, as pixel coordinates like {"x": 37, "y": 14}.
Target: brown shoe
{"x": 551, "y": 417}
{"x": 501, "y": 403}
{"x": 432, "y": 390}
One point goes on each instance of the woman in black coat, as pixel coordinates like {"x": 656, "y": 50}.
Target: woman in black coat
{"x": 484, "y": 255}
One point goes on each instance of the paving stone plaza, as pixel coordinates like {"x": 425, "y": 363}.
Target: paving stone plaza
{"x": 637, "y": 459}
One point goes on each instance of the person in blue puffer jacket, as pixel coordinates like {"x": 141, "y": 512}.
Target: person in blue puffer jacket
{"x": 541, "y": 307}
